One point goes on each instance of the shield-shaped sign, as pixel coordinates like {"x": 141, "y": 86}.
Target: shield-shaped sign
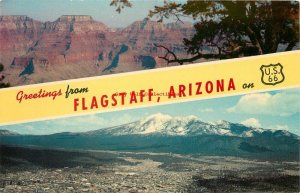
{"x": 272, "y": 74}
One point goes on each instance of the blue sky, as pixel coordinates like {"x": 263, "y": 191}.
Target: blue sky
{"x": 100, "y": 10}
{"x": 271, "y": 110}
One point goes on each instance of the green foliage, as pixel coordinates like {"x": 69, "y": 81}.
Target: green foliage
{"x": 168, "y": 10}
{"x": 1, "y": 67}
{"x": 120, "y": 4}
{"x": 234, "y": 28}
{"x": 2, "y": 84}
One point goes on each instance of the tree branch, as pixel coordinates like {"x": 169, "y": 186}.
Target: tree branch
{"x": 254, "y": 39}
{"x": 224, "y": 54}
{"x": 184, "y": 60}
{"x": 290, "y": 46}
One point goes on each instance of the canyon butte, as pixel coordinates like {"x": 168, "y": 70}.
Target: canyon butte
{"x": 78, "y": 46}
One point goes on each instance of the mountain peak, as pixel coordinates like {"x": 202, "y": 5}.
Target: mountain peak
{"x": 224, "y": 123}
{"x": 157, "y": 117}
{"x": 75, "y": 18}
{"x": 144, "y": 25}
{"x": 14, "y": 18}
{"x": 157, "y": 124}
{"x": 162, "y": 118}
{"x": 162, "y": 124}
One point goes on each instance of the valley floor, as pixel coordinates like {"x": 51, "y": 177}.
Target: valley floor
{"x": 108, "y": 171}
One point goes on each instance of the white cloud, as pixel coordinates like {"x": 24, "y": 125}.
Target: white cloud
{"x": 283, "y": 103}
{"x": 207, "y": 110}
{"x": 252, "y": 122}
{"x": 280, "y": 127}
{"x": 125, "y": 118}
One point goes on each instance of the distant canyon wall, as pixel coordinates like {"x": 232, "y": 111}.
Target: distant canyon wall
{"x": 78, "y": 46}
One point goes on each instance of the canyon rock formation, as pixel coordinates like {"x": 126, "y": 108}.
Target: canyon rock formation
{"x": 78, "y": 46}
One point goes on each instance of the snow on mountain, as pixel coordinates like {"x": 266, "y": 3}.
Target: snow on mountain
{"x": 154, "y": 124}
{"x": 161, "y": 124}
{"x": 7, "y": 133}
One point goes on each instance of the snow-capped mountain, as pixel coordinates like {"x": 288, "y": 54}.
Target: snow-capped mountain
{"x": 161, "y": 124}
{"x": 166, "y": 134}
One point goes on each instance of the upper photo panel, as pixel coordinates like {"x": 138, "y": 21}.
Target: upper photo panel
{"x": 52, "y": 40}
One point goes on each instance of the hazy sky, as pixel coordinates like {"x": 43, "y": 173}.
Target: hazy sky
{"x": 273, "y": 110}
{"x": 50, "y": 10}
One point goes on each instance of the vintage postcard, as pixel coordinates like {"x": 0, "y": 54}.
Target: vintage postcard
{"x": 149, "y": 96}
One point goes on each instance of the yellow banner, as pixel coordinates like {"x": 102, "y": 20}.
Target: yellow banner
{"x": 152, "y": 87}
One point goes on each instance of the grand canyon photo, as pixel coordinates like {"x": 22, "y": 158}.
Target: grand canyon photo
{"x": 75, "y": 46}
{"x": 41, "y": 45}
